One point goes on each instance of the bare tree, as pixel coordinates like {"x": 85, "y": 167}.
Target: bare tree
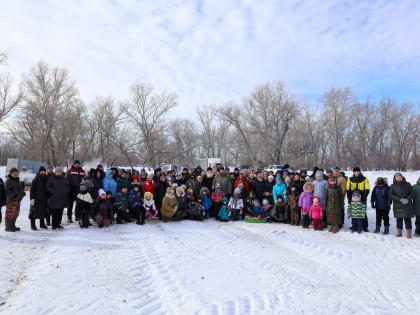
{"x": 8, "y": 101}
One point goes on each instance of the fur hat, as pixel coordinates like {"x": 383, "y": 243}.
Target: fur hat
{"x": 356, "y": 169}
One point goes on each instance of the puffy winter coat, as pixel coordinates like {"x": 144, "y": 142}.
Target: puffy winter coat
{"x": 316, "y": 212}
{"x": 257, "y": 210}
{"x": 122, "y": 182}
{"x": 279, "y": 190}
{"x": 305, "y": 201}
{"x": 359, "y": 183}
{"x": 121, "y": 202}
{"x": 160, "y": 191}
{"x": 280, "y": 212}
{"x": 356, "y": 209}
{"x": 380, "y": 198}
{"x": 335, "y": 205}
{"x": 14, "y": 189}
{"x": 416, "y": 198}
{"x": 104, "y": 207}
{"x": 241, "y": 178}
{"x": 74, "y": 176}
{"x": 84, "y": 203}
{"x": 195, "y": 211}
{"x": 135, "y": 199}
{"x": 148, "y": 186}
{"x": 169, "y": 204}
{"x": 98, "y": 183}
{"x": 110, "y": 184}
{"x": 58, "y": 187}
{"x": 149, "y": 205}
{"x": 40, "y": 195}
{"x": 217, "y": 195}
{"x": 400, "y": 190}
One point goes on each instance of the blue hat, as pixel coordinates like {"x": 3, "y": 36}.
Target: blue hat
{"x": 278, "y": 178}
{"x": 356, "y": 193}
{"x": 49, "y": 167}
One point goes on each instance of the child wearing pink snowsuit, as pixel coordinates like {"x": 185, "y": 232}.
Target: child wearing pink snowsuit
{"x": 316, "y": 213}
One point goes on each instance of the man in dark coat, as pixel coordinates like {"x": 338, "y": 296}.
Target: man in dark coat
{"x": 39, "y": 199}
{"x": 401, "y": 194}
{"x": 74, "y": 176}
{"x": 14, "y": 195}
{"x": 160, "y": 191}
{"x": 2, "y": 197}
{"x": 258, "y": 187}
{"x": 58, "y": 187}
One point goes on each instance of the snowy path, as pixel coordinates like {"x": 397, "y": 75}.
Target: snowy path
{"x": 207, "y": 268}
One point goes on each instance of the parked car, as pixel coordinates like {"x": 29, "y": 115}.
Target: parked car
{"x": 274, "y": 168}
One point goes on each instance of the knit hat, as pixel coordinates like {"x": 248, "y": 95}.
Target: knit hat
{"x": 49, "y": 167}
{"x": 398, "y": 174}
{"x": 58, "y": 169}
{"x": 329, "y": 171}
{"x": 13, "y": 169}
{"x": 336, "y": 168}
{"x": 83, "y": 188}
{"x": 278, "y": 178}
{"x": 148, "y": 194}
{"x": 101, "y": 192}
{"x": 135, "y": 178}
{"x": 356, "y": 193}
{"x": 237, "y": 190}
{"x": 41, "y": 169}
{"x": 356, "y": 169}
{"x": 76, "y": 162}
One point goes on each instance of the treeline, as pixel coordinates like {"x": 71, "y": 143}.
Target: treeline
{"x": 48, "y": 121}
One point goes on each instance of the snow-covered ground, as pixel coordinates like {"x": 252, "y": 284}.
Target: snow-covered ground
{"x": 208, "y": 268}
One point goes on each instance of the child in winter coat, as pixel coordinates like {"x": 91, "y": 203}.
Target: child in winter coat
{"x": 217, "y": 196}
{"x": 136, "y": 204}
{"x": 280, "y": 211}
{"x": 305, "y": 203}
{"x": 257, "y": 210}
{"x": 122, "y": 205}
{"x": 381, "y": 201}
{"x": 316, "y": 213}
{"x": 236, "y": 204}
{"x": 110, "y": 184}
{"x": 102, "y": 210}
{"x": 205, "y": 196}
{"x": 149, "y": 205}
{"x": 84, "y": 203}
{"x": 225, "y": 214}
{"x": 195, "y": 209}
{"x": 357, "y": 211}
{"x": 334, "y": 205}
{"x": 293, "y": 202}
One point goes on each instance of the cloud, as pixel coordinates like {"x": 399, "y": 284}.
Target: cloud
{"x": 211, "y": 52}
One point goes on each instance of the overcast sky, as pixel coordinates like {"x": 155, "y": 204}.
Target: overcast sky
{"x": 210, "y": 52}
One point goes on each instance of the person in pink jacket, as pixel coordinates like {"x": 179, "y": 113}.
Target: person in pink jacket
{"x": 316, "y": 213}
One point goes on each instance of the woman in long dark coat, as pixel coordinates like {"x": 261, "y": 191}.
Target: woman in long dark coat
{"x": 39, "y": 199}
{"x": 58, "y": 187}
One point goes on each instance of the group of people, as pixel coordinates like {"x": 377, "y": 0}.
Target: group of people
{"x": 296, "y": 198}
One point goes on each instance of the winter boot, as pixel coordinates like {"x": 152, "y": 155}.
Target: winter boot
{"x": 9, "y": 227}
{"x": 378, "y": 229}
{"x": 42, "y": 224}
{"x": 33, "y": 226}
{"x": 335, "y": 229}
{"x": 386, "y": 230}
{"x": 48, "y": 219}
{"x": 69, "y": 220}
{"x": 408, "y": 233}
{"x": 331, "y": 228}
{"x": 399, "y": 233}
{"x": 17, "y": 229}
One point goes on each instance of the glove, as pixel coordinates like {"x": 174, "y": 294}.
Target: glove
{"x": 373, "y": 205}
{"x": 403, "y": 201}
{"x": 32, "y": 202}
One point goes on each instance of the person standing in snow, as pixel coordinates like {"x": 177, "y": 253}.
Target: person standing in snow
{"x": 360, "y": 183}
{"x": 84, "y": 204}
{"x": 58, "y": 188}
{"x": 416, "y": 204}
{"x": 334, "y": 202}
{"x": 356, "y": 211}
{"x": 381, "y": 201}
{"x": 316, "y": 213}
{"x": 14, "y": 195}
{"x": 39, "y": 199}
{"x": 305, "y": 203}
{"x": 236, "y": 204}
{"x": 401, "y": 194}
{"x": 75, "y": 175}
{"x": 320, "y": 190}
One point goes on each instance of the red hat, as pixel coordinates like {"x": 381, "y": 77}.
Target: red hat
{"x": 135, "y": 178}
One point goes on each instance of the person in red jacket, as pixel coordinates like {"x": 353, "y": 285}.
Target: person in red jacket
{"x": 148, "y": 185}
{"x": 241, "y": 177}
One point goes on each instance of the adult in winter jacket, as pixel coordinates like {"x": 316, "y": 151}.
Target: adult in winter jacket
{"x": 14, "y": 195}
{"x": 341, "y": 180}
{"x": 268, "y": 191}
{"x": 110, "y": 184}
{"x": 224, "y": 179}
{"x": 334, "y": 205}
{"x": 39, "y": 199}
{"x": 160, "y": 191}
{"x": 2, "y": 197}
{"x": 258, "y": 187}
{"x": 208, "y": 179}
{"x": 280, "y": 211}
{"x": 122, "y": 181}
{"x": 169, "y": 205}
{"x": 97, "y": 182}
{"x": 401, "y": 194}
{"x": 58, "y": 188}
{"x": 75, "y": 175}
{"x": 279, "y": 189}
{"x": 360, "y": 183}
{"x": 381, "y": 201}
{"x": 416, "y": 204}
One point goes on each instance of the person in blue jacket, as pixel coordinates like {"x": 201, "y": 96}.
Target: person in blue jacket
{"x": 279, "y": 189}
{"x": 110, "y": 185}
{"x": 381, "y": 201}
